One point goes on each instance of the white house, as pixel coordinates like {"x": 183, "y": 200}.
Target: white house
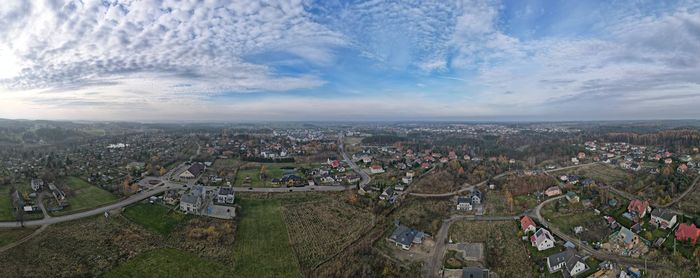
{"x": 542, "y": 239}
{"x": 464, "y": 203}
{"x": 567, "y": 261}
{"x": 663, "y": 218}
{"x": 376, "y": 169}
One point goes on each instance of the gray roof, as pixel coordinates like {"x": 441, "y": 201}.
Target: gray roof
{"x": 663, "y": 214}
{"x": 472, "y": 272}
{"x": 196, "y": 169}
{"x": 226, "y": 191}
{"x": 568, "y": 257}
{"x": 189, "y": 198}
{"x": 403, "y": 235}
{"x": 463, "y": 200}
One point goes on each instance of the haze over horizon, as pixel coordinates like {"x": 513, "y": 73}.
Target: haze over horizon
{"x": 357, "y": 60}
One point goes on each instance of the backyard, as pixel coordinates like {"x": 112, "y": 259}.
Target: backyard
{"x": 566, "y": 216}
{"x": 249, "y": 174}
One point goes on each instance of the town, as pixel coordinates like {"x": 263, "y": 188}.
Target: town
{"x": 440, "y": 200}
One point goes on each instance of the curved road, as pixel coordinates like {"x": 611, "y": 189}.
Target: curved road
{"x": 596, "y": 253}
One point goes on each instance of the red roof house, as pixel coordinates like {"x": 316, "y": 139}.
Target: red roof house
{"x": 687, "y": 232}
{"x": 638, "y": 207}
{"x": 527, "y": 224}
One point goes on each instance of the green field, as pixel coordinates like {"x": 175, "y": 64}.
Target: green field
{"x": 168, "y": 263}
{"x": 85, "y": 196}
{"x": 6, "y": 209}
{"x": 262, "y": 246}
{"x": 8, "y": 236}
{"x": 157, "y": 218}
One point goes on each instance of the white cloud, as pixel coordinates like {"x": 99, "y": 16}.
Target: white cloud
{"x": 71, "y": 44}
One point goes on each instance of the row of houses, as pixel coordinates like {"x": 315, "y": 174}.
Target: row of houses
{"x": 568, "y": 261}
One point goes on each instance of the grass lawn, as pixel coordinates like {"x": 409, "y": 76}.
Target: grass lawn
{"x": 262, "y": 246}
{"x": 8, "y": 236}
{"x": 6, "y": 209}
{"x": 254, "y": 175}
{"x": 84, "y": 196}
{"x": 157, "y": 218}
{"x": 168, "y": 263}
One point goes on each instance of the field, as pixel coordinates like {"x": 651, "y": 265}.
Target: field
{"x": 262, "y": 246}
{"x": 320, "y": 229}
{"x": 81, "y": 248}
{"x": 6, "y": 209}
{"x": 495, "y": 203}
{"x": 168, "y": 263}
{"x": 505, "y": 254}
{"x": 81, "y": 196}
{"x": 8, "y": 236}
{"x": 424, "y": 214}
{"x": 157, "y": 218}
{"x": 607, "y": 174}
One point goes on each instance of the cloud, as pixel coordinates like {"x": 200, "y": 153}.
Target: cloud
{"x": 71, "y": 44}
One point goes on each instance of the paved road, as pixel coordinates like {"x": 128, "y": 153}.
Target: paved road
{"x": 58, "y": 219}
{"x": 329, "y": 188}
{"x": 363, "y": 175}
{"x": 596, "y": 253}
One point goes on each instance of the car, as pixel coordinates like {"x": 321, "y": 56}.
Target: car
{"x": 291, "y": 190}
{"x": 250, "y": 188}
{"x": 313, "y": 188}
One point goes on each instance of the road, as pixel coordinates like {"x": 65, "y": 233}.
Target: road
{"x": 365, "y": 179}
{"x": 602, "y": 255}
{"x": 323, "y": 188}
{"x": 70, "y": 217}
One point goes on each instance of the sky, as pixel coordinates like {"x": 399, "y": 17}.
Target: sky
{"x": 349, "y": 60}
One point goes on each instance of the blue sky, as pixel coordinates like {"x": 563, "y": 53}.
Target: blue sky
{"x": 349, "y": 60}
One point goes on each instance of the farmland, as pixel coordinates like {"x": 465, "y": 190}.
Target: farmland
{"x": 319, "y": 229}
{"x": 262, "y": 246}
{"x": 504, "y": 253}
{"x": 495, "y": 203}
{"x": 168, "y": 263}
{"x": 82, "y": 195}
{"x": 157, "y": 218}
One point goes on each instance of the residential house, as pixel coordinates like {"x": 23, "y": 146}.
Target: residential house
{"x": 388, "y": 193}
{"x": 476, "y": 197}
{"x": 475, "y": 272}
{"x": 552, "y": 191}
{"x": 400, "y": 187}
{"x": 568, "y": 261}
{"x": 527, "y": 224}
{"x": 687, "y": 232}
{"x": 581, "y": 155}
{"x": 407, "y": 180}
{"x": 37, "y": 184}
{"x": 193, "y": 202}
{"x": 405, "y": 237}
{"x": 194, "y": 171}
{"x": 464, "y": 203}
{"x": 668, "y": 160}
{"x": 638, "y": 207}
{"x": 225, "y": 195}
{"x": 572, "y": 197}
{"x": 376, "y": 169}
{"x": 663, "y": 218}
{"x": 410, "y": 174}
{"x": 682, "y": 168}
{"x": 171, "y": 197}
{"x": 628, "y": 237}
{"x": 542, "y": 239}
